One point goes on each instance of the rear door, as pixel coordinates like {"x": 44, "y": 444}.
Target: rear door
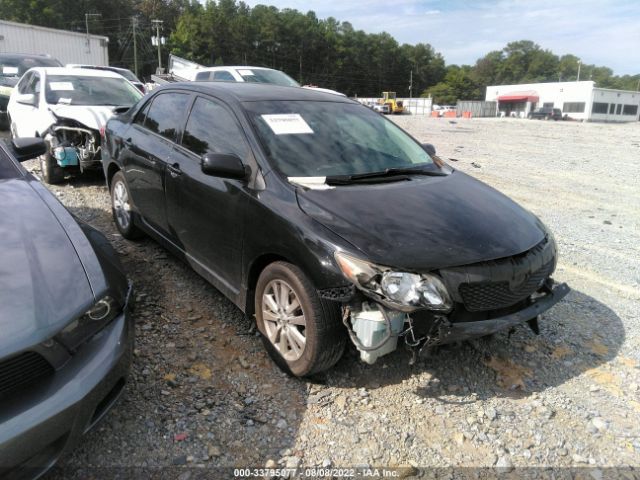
{"x": 148, "y": 144}
{"x": 206, "y": 213}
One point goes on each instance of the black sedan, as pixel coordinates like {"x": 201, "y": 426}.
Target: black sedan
{"x": 546, "y": 113}
{"x": 324, "y": 220}
{"x": 66, "y": 335}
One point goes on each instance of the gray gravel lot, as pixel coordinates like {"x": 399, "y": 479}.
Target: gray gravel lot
{"x": 203, "y": 393}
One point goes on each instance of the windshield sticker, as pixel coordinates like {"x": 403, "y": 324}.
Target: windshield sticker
{"x": 287, "y": 124}
{"x": 64, "y": 101}
{"x": 312, "y": 183}
{"x": 246, "y": 72}
{"x": 61, "y": 86}
{"x": 10, "y": 70}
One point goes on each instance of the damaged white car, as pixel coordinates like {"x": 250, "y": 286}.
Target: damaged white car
{"x": 68, "y": 108}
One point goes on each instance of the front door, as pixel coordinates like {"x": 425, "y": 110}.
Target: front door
{"x": 206, "y": 213}
{"x": 148, "y": 144}
{"x": 24, "y": 118}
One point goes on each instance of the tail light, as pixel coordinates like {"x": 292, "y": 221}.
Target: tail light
{"x": 102, "y": 131}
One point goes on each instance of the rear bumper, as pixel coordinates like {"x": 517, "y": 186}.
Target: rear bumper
{"x": 468, "y": 330}
{"x": 38, "y": 427}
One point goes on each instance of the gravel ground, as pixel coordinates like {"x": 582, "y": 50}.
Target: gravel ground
{"x": 203, "y": 393}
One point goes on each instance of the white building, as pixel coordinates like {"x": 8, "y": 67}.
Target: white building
{"x": 578, "y": 100}
{"x": 65, "y": 46}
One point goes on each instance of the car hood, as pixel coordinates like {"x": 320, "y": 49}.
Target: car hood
{"x": 425, "y": 223}
{"x": 6, "y": 85}
{"x": 43, "y": 284}
{"x": 92, "y": 117}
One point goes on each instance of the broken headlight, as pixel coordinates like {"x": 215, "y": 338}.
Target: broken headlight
{"x": 89, "y": 324}
{"x": 400, "y": 290}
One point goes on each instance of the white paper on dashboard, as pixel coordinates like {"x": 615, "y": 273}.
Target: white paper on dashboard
{"x": 10, "y": 70}
{"x": 245, "y": 72}
{"x": 61, "y": 86}
{"x": 287, "y": 124}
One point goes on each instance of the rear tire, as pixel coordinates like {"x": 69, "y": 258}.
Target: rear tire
{"x": 302, "y": 332}
{"x": 52, "y": 173}
{"x": 123, "y": 215}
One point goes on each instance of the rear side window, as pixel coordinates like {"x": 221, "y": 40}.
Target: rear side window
{"x": 203, "y": 77}
{"x": 212, "y": 129}
{"x": 223, "y": 76}
{"x": 166, "y": 114}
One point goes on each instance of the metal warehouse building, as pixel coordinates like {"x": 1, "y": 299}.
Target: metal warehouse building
{"x": 68, "y": 47}
{"x": 578, "y": 100}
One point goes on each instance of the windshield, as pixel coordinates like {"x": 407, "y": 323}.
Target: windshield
{"x": 321, "y": 139}
{"x": 274, "y": 77}
{"x": 16, "y": 66}
{"x": 7, "y": 168}
{"x": 84, "y": 90}
{"x": 128, "y": 74}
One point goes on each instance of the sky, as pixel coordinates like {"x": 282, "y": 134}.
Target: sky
{"x": 604, "y": 32}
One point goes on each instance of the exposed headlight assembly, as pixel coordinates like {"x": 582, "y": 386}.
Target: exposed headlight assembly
{"x": 403, "y": 291}
{"x": 89, "y": 324}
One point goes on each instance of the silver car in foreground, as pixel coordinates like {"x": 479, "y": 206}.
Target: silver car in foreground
{"x": 66, "y": 335}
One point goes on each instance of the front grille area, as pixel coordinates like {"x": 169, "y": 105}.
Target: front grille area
{"x": 479, "y": 296}
{"x": 22, "y": 370}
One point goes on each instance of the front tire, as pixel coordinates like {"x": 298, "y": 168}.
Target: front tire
{"x": 302, "y": 332}
{"x": 52, "y": 173}
{"x": 123, "y": 215}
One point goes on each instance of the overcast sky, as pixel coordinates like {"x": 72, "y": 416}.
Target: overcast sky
{"x": 599, "y": 32}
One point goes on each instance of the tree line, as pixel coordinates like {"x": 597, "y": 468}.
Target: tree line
{"x": 323, "y": 52}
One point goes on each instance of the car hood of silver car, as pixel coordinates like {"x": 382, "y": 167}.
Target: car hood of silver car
{"x": 44, "y": 283}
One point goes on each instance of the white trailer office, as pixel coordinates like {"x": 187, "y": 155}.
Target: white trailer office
{"x": 577, "y": 100}
{"x": 65, "y": 46}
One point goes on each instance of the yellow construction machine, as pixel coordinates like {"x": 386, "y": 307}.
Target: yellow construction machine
{"x": 389, "y": 99}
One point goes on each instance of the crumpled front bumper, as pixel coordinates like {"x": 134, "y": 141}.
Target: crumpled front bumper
{"x": 467, "y": 330}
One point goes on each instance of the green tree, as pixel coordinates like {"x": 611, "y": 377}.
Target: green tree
{"x": 458, "y": 84}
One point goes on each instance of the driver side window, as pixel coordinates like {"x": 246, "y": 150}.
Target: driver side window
{"x": 23, "y": 87}
{"x": 142, "y": 114}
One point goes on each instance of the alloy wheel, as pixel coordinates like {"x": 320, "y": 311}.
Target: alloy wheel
{"x": 121, "y": 205}
{"x": 284, "y": 319}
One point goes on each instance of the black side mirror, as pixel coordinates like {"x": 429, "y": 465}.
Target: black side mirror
{"x": 429, "y": 148}
{"x": 27, "y": 148}
{"x": 226, "y": 165}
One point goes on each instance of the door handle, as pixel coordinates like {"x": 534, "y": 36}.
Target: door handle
{"x": 174, "y": 170}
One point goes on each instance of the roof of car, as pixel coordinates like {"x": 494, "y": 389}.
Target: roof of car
{"x": 77, "y": 72}
{"x": 254, "y": 92}
{"x": 26, "y": 55}
{"x": 234, "y": 67}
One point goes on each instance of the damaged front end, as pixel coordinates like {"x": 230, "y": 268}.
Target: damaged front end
{"x": 448, "y": 305}
{"x": 72, "y": 144}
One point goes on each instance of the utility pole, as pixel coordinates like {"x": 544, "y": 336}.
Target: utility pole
{"x": 158, "y": 24}
{"x": 86, "y": 23}
{"x": 411, "y": 84}
{"x": 134, "y": 21}
{"x": 579, "y": 63}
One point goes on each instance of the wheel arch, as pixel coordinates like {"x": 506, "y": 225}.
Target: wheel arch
{"x": 112, "y": 169}
{"x": 253, "y": 273}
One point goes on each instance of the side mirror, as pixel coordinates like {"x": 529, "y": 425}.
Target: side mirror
{"x": 26, "y": 99}
{"x": 27, "y": 148}
{"x": 429, "y": 148}
{"x": 225, "y": 165}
